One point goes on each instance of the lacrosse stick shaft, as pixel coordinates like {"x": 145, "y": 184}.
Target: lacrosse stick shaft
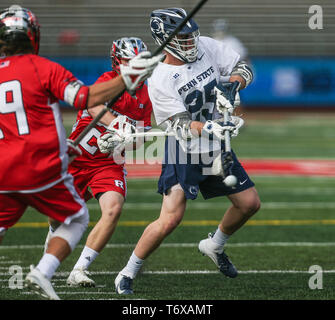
{"x": 90, "y": 126}
{"x": 151, "y": 134}
{"x": 158, "y": 50}
{"x": 230, "y": 180}
{"x": 226, "y": 118}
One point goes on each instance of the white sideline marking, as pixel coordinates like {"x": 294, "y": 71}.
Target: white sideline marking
{"x": 75, "y": 292}
{"x": 164, "y": 272}
{"x": 291, "y": 190}
{"x": 189, "y": 245}
{"x": 240, "y": 272}
{"x": 85, "y": 293}
{"x": 11, "y": 262}
{"x": 69, "y": 287}
{"x": 6, "y": 268}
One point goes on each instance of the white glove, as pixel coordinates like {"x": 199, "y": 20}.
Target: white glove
{"x": 139, "y": 69}
{"x": 183, "y": 131}
{"x": 109, "y": 141}
{"x": 234, "y": 120}
{"x": 218, "y": 128}
{"x": 117, "y": 139}
{"x": 227, "y": 96}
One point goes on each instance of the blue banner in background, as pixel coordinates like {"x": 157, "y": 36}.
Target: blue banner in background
{"x": 279, "y": 82}
{"x": 288, "y": 82}
{"x": 88, "y": 70}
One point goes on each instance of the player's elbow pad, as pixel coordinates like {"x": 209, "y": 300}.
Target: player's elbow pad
{"x": 243, "y": 70}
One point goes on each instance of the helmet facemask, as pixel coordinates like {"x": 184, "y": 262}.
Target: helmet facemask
{"x": 185, "y": 46}
{"x": 125, "y": 49}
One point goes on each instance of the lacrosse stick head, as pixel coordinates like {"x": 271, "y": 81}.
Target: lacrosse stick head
{"x": 227, "y": 165}
{"x": 222, "y": 166}
{"x": 227, "y": 96}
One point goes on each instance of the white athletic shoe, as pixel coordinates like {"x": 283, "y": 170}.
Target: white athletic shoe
{"x": 219, "y": 257}
{"x": 40, "y": 285}
{"x": 79, "y": 278}
{"x": 123, "y": 284}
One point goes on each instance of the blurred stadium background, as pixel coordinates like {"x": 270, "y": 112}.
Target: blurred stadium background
{"x": 294, "y": 64}
{"x": 287, "y": 146}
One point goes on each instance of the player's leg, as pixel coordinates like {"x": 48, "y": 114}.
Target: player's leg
{"x": 61, "y": 203}
{"x": 62, "y": 243}
{"x": 80, "y": 178}
{"x": 108, "y": 185}
{"x": 111, "y": 204}
{"x": 245, "y": 203}
{"x": 2, "y": 233}
{"x": 172, "y": 212}
{"x": 11, "y": 210}
{"x": 53, "y": 225}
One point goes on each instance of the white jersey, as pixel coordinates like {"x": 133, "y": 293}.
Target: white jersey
{"x": 189, "y": 87}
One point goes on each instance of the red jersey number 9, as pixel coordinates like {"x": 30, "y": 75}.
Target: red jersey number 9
{"x": 11, "y": 101}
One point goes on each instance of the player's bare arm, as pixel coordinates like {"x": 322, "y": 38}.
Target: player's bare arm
{"x": 105, "y": 91}
{"x": 106, "y": 119}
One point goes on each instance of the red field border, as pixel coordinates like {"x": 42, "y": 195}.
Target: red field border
{"x": 281, "y": 167}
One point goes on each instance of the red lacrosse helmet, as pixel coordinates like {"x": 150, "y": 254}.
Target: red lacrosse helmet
{"x": 17, "y": 23}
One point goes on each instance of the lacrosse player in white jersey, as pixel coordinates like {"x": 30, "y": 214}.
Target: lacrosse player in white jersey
{"x": 183, "y": 97}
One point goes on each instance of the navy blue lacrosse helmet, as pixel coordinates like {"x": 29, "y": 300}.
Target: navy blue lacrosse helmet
{"x": 19, "y": 24}
{"x": 184, "y": 45}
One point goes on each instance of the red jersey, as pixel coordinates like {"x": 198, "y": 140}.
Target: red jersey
{"x": 32, "y": 136}
{"x": 138, "y": 111}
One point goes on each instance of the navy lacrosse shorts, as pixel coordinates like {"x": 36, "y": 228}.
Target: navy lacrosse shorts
{"x": 191, "y": 177}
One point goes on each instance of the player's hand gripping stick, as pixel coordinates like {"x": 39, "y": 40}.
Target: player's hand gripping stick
{"x": 224, "y": 103}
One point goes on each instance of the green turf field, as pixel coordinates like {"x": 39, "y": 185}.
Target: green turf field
{"x": 294, "y": 230}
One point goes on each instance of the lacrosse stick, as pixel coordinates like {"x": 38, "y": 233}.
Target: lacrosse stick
{"x": 158, "y": 51}
{"x": 230, "y": 180}
{"x": 226, "y": 158}
{"x": 117, "y": 139}
{"x": 167, "y": 132}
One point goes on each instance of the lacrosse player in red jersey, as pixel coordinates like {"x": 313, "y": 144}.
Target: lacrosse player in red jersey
{"x": 34, "y": 152}
{"x": 99, "y": 171}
